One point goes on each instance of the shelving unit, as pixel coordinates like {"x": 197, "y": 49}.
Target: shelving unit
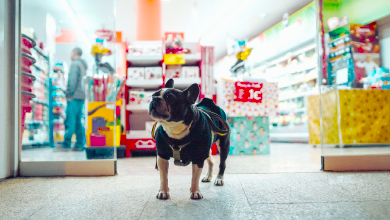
{"x": 296, "y": 76}
{"x": 137, "y": 137}
{"x": 38, "y": 119}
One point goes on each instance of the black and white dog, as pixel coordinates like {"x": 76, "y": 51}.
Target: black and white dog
{"x": 186, "y": 130}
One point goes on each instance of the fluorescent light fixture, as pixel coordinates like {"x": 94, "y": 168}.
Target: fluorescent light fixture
{"x": 75, "y": 21}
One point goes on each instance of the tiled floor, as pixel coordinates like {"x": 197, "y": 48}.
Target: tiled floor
{"x": 287, "y": 184}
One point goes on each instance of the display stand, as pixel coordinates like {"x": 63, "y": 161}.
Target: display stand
{"x": 38, "y": 118}
{"x": 248, "y": 115}
{"x": 140, "y": 86}
{"x": 350, "y": 117}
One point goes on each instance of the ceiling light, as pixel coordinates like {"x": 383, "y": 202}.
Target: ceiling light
{"x": 75, "y": 21}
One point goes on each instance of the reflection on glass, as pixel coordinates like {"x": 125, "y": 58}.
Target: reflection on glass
{"x": 71, "y": 94}
{"x": 355, "y": 93}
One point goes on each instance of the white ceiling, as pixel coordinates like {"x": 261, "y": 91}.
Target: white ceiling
{"x": 217, "y": 19}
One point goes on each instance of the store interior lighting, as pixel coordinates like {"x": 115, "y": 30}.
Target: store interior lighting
{"x": 76, "y": 22}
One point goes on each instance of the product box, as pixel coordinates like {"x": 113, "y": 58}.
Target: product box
{"x": 137, "y": 73}
{"x": 138, "y": 98}
{"x": 249, "y": 135}
{"x": 174, "y": 71}
{"x": 153, "y": 72}
{"x": 190, "y": 71}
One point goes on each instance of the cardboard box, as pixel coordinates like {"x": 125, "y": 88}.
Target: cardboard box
{"x": 136, "y": 73}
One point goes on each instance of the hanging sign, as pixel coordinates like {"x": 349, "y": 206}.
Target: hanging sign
{"x": 105, "y": 34}
{"x": 248, "y": 92}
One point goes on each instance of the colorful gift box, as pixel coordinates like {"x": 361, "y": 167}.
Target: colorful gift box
{"x": 249, "y": 135}
{"x": 136, "y": 73}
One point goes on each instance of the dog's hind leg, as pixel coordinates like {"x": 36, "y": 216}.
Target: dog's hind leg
{"x": 223, "y": 147}
{"x": 210, "y": 162}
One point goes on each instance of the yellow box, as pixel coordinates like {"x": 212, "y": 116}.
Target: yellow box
{"x": 363, "y": 117}
{"x": 174, "y": 59}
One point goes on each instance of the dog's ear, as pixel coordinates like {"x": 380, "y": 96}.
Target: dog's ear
{"x": 192, "y": 93}
{"x": 169, "y": 84}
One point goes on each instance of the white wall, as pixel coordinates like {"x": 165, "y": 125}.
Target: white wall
{"x": 384, "y": 41}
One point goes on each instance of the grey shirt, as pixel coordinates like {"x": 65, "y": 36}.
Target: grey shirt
{"x": 75, "y": 89}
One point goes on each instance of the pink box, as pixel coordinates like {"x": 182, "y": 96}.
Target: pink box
{"x": 98, "y": 140}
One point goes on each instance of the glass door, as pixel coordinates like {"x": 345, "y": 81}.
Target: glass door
{"x": 354, "y": 102}
{"x": 70, "y": 121}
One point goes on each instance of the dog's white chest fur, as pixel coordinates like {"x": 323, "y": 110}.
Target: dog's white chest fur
{"x": 176, "y": 130}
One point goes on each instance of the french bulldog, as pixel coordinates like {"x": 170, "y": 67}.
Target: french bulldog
{"x": 185, "y": 128}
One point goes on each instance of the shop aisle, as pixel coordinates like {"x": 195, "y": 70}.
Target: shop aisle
{"x": 131, "y": 195}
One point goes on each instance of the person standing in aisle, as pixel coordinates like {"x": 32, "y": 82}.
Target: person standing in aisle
{"x": 75, "y": 95}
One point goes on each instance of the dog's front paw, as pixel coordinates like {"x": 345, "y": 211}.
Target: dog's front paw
{"x": 207, "y": 178}
{"x": 196, "y": 195}
{"x": 162, "y": 195}
{"x": 218, "y": 181}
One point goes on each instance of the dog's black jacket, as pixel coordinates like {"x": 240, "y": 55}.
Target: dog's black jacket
{"x": 199, "y": 138}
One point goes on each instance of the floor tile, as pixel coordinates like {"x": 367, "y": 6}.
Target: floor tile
{"x": 310, "y": 211}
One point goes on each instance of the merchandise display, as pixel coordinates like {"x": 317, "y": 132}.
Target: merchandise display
{"x": 35, "y": 65}
{"x": 147, "y": 74}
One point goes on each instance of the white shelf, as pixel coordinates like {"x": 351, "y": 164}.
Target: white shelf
{"x": 137, "y": 108}
{"x": 185, "y": 82}
{"x": 297, "y": 95}
{"x": 293, "y": 82}
{"x": 192, "y": 59}
{"x": 296, "y": 110}
{"x": 138, "y": 134}
{"x": 145, "y": 60}
{"x": 145, "y": 83}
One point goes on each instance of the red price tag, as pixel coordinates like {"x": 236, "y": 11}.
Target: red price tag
{"x": 248, "y": 92}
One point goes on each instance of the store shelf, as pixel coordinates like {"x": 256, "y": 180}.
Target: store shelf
{"x": 298, "y": 95}
{"x": 32, "y": 143}
{"x": 39, "y": 67}
{"x": 185, "y": 82}
{"x": 40, "y": 102}
{"x": 41, "y": 52}
{"x": 147, "y": 84}
{"x": 138, "y": 134}
{"x": 293, "y": 82}
{"x": 137, "y": 108}
{"x": 192, "y": 59}
{"x": 145, "y": 60}
{"x": 34, "y": 122}
{"x": 296, "y": 110}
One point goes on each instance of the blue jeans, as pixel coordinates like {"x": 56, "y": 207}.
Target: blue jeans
{"x": 73, "y": 123}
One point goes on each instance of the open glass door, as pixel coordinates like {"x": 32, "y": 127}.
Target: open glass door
{"x": 70, "y": 121}
{"x": 354, "y": 101}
